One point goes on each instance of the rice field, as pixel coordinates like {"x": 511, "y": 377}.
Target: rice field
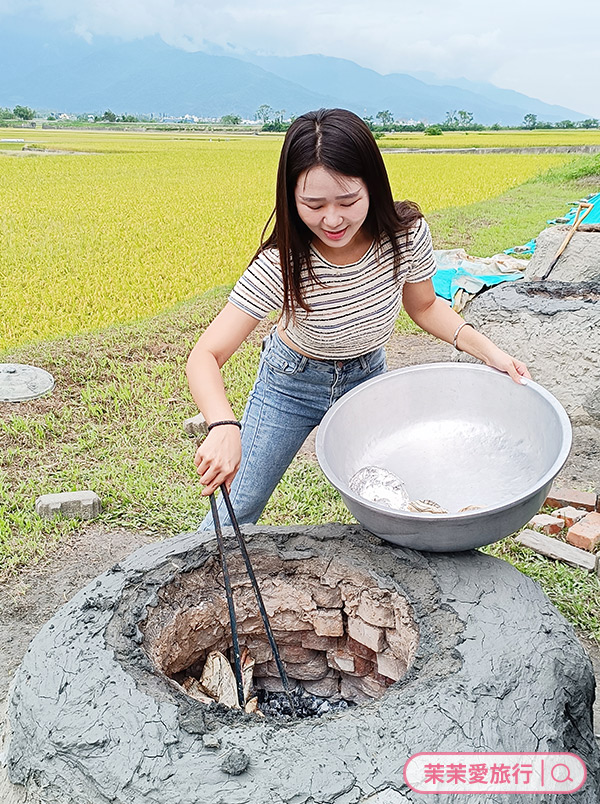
{"x": 538, "y": 138}
{"x": 134, "y": 223}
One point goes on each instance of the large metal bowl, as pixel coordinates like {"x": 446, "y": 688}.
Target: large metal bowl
{"x": 456, "y": 433}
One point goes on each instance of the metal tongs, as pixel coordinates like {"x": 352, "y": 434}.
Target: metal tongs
{"x": 232, "y": 618}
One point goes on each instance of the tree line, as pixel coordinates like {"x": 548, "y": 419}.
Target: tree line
{"x": 278, "y": 120}
{"x": 455, "y": 120}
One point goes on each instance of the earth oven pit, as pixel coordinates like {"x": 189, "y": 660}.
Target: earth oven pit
{"x": 340, "y": 635}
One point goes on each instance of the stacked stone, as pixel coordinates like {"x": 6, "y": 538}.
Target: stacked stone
{"x": 340, "y": 636}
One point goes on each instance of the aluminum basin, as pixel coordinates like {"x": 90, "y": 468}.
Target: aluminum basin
{"x": 456, "y": 433}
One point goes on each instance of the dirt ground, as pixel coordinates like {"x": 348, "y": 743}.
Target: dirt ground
{"x": 31, "y": 598}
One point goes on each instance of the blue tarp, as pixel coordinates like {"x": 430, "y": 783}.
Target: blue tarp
{"x": 526, "y": 248}
{"x": 448, "y": 281}
{"x": 460, "y": 276}
{"x": 593, "y": 216}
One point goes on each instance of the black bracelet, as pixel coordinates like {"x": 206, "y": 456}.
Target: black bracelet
{"x": 218, "y": 424}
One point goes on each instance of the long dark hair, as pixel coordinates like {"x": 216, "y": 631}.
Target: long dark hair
{"x": 340, "y": 141}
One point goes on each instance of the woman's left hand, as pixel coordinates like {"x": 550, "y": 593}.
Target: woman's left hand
{"x": 502, "y": 361}
{"x": 435, "y": 316}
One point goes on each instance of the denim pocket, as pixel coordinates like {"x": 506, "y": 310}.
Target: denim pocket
{"x": 377, "y": 363}
{"x": 280, "y": 358}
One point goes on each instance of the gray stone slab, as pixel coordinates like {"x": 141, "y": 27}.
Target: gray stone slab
{"x": 70, "y": 504}
{"x": 554, "y": 548}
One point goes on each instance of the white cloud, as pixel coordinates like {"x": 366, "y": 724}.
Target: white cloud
{"x": 543, "y": 51}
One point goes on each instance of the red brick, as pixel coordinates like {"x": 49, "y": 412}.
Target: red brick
{"x": 370, "y": 686}
{"x": 357, "y": 649}
{"x": 350, "y": 691}
{"x": 403, "y": 644}
{"x": 296, "y": 655}
{"x": 259, "y": 650}
{"x": 340, "y": 660}
{"x": 323, "y": 687}
{"x": 362, "y": 667}
{"x": 286, "y": 637}
{"x": 389, "y": 666}
{"x": 269, "y": 684}
{"x": 569, "y": 515}
{"x": 369, "y": 635}
{"x": 560, "y": 497}
{"x": 586, "y": 532}
{"x": 375, "y": 608}
{"x": 327, "y": 622}
{"x": 311, "y": 671}
{"x": 315, "y": 642}
{"x": 550, "y": 525}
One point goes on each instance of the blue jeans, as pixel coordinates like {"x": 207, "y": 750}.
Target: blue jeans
{"x": 291, "y": 394}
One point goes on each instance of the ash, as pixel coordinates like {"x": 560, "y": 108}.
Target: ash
{"x": 277, "y": 704}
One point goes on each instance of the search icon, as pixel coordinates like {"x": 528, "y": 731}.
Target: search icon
{"x": 567, "y": 778}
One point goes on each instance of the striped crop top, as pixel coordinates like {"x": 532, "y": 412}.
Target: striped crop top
{"x": 353, "y": 308}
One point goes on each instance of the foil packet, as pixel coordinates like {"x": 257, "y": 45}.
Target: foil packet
{"x": 385, "y": 488}
{"x": 380, "y": 486}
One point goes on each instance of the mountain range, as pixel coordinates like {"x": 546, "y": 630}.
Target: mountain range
{"x": 50, "y": 69}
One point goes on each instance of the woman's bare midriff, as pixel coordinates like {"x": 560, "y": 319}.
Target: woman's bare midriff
{"x": 284, "y": 337}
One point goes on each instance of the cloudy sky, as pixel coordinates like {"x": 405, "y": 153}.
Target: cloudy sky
{"x": 548, "y": 50}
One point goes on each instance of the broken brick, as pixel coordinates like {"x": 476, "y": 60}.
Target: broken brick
{"x": 288, "y": 637}
{"x": 316, "y": 642}
{"x": 369, "y": 635}
{"x": 362, "y": 667}
{"x": 340, "y": 660}
{"x": 403, "y": 644}
{"x": 259, "y": 650}
{"x": 289, "y": 621}
{"x": 586, "y": 532}
{"x": 323, "y": 687}
{"x": 550, "y": 525}
{"x": 327, "y": 597}
{"x": 314, "y": 669}
{"x": 296, "y": 654}
{"x": 270, "y": 684}
{"x": 375, "y": 608}
{"x": 578, "y": 499}
{"x": 368, "y": 685}
{"x": 352, "y": 692}
{"x": 390, "y": 666}
{"x": 357, "y": 649}
{"x": 569, "y": 515}
{"x": 327, "y": 622}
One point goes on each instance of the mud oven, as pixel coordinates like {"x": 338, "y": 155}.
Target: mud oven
{"x": 430, "y": 652}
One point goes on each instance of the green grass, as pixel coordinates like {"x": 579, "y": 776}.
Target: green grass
{"x": 114, "y": 424}
{"x": 512, "y": 218}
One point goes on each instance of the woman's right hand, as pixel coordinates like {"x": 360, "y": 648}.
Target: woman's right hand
{"x": 218, "y": 458}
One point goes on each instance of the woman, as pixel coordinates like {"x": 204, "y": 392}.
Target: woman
{"x": 341, "y": 259}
